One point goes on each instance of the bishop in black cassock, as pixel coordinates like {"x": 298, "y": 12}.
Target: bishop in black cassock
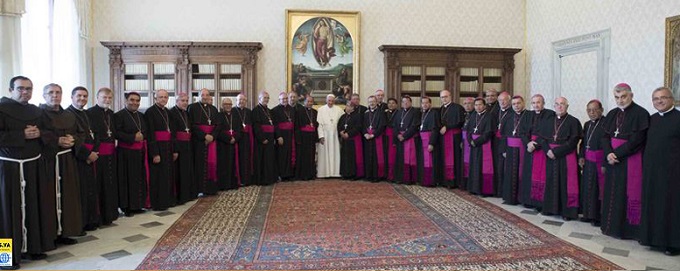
{"x": 390, "y": 151}
{"x": 591, "y": 158}
{"x": 373, "y": 130}
{"x": 284, "y": 132}
{"x": 406, "y": 123}
{"x": 103, "y": 126}
{"x": 351, "y": 146}
{"x": 306, "y": 136}
{"x": 246, "y": 143}
{"x": 428, "y": 149}
{"x": 133, "y": 179}
{"x": 184, "y": 165}
{"x": 86, "y": 157}
{"x": 532, "y": 184}
{"x": 206, "y": 125}
{"x": 264, "y": 161}
{"x": 160, "y": 139}
{"x": 480, "y": 132}
{"x": 452, "y": 117}
{"x": 559, "y": 135}
{"x": 227, "y": 144}
{"x": 660, "y": 185}
{"x": 503, "y": 112}
{"x": 623, "y": 143}
{"x": 513, "y": 151}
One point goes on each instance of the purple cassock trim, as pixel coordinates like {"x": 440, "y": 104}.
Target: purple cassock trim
{"x": 634, "y": 187}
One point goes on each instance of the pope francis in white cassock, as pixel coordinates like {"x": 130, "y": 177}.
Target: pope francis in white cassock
{"x": 328, "y": 163}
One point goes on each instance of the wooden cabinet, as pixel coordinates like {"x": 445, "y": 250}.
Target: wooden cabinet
{"x": 465, "y": 71}
{"x": 224, "y": 68}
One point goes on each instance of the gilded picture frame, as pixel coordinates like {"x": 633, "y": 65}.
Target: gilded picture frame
{"x": 672, "y": 63}
{"x": 322, "y": 53}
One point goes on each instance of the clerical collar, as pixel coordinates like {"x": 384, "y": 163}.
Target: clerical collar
{"x": 482, "y": 112}
{"x": 537, "y": 111}
{"x": 79, "y": 109}
{"x": 560, "y": 117}
{"x": 626, "y": 107}
{"x": 447, "y": 104}
{"x": 669, "y": 110}
{"x": 503, "y": 110}
{"x": 520, "y": 112}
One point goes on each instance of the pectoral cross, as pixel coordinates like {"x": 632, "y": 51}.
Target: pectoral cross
{"x": 588, "y": 147}
{"x": 209, "y": 122}
{"x": 108, "y": 133}
{"x": 370, "y": 127}
{"x": 514, "y": 132}
{"x": 311, "y": 124}
{"x": 616, "y": 133}
{"x": 555, "y": 137}
{"x": 91, "y": 134}
{"x": 421, "y": 127}
{"x": 244, "y": 125}
{"x": 401, "y": 124}
{"x": 475, "y": 130}
{"x": 270, "y": 122}
{"x": 499, "y": 126}
{"x": 345, "y": 126}
{"x": 186, "y": 129}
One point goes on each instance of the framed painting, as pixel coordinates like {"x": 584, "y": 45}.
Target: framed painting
{"x": 322, "y": 52}
{"x": 672, "y": 67}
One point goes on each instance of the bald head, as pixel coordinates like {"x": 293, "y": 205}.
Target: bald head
{"x": 504, "y": 100}
{"x": 161, "y": 97}
{"x": 241, "y": 101}
{"x": 445, "y": 96}
{"x": 263, "y": 98}
{"x": 561, "y": 106}
{"x": 205, "y": 96}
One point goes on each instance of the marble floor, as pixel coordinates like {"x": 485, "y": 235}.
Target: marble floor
{"x": 124, "y": 244}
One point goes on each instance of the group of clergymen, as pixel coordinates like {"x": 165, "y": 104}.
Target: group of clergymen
{"x": 67, "y": 171}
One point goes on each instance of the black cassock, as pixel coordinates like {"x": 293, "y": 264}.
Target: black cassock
{"x": 529, "y": 132}
{"x": 592, "y": 177}
{"x": 226, "y": 151}
{"x": 246, "y": 144}
{"x": 452, "y": 117}
{"x": 374, "y": 123}
{"x": 480, "y": 131}
{"x": 661, "y": 184}
{"x": 406, "y": 123}
{"x": 561, "y": 135}
{"x": 498, "y": 146}
{"x": 306, "y": 137}
{"x": 14, "y": 117}
{"x": 264, "y": 162}
{"x": 184, "y": 165}
{"x": 351, "y": 148}
{"x": 514, "y": 150}
{"x": 205, "y": 120}
{"x": 62, "y": 123}
{"x": 621, "y": 200}
{"x": 89, "y": 185}
{"x": 103, "y": 126}
{"x": 133, "y": 182}
{"x": 284, "y": 120}
{"x": 429, "y": 163}
{"x": 161, "y": 139}
{"x": 390, "y": 150}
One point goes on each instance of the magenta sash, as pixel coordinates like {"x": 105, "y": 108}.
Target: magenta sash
{"x": 183, "y": 136}
{"x": 162, "y": 136}
{"x": 211, "y": 163}
{"x": 538, "y": 173}
{"x": 289, "y": 126}
{"x": 141, "y": 146}
{"x": 359, "y": 155}
{"x": 466, "y": 156}
{"x": 410, "y": 152}
{"x": 391, "y": 153}
{"x": 308, "y": 129}
{"x": 267, "y": 128}
{"x": 516, "y": 142}
{"x": 487, "y": 167}
{"x": 449, "y": 154}
{"x": 380, "y": 155}
{"x": 572, "y": 178}
{"x": 597, "y": 157}
{"x": 248, "y": 129}
{"x": 236, "y": 163}
{"x": 634, "y": 183}
{"x": 107, "y": 148}
{"x": 427, "y": 159}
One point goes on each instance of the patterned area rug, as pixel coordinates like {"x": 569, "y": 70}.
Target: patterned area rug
{"x": 334, "y": 224}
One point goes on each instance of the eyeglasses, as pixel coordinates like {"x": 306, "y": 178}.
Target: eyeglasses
{"x": 656, "y": 99}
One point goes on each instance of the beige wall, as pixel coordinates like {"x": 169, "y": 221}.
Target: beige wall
{"x": 637, "y": 41}
{"x": 482, "y": 23}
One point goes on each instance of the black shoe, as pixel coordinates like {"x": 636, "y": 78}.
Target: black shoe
{"x": 566, "y": 218}
{"x": 596, "y": 223}
{"x": 672, "y": 251}
{"x": 90, "y": 227}
{"x": 12, "y": 267}
{"x": 129, "y": 214}
{"x": 33, "y": 256}
{"x": 583, "y": 219}
{"x": 66, "y": 241}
